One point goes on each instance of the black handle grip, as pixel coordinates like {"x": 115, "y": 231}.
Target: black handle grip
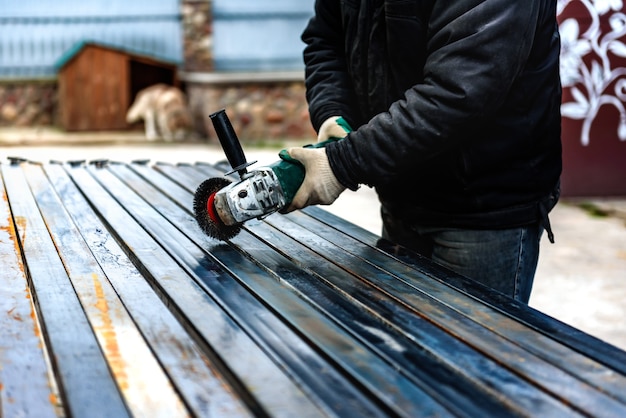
{"x": 229, "y": 141}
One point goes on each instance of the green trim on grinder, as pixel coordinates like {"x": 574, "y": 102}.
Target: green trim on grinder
{"x": 290, "y": 172}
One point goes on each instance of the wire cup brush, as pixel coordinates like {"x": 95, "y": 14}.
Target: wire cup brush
{"x": 222, "y": 206}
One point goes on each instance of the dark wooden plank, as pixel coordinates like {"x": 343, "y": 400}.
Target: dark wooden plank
{"x": 261, "y": 383}
{"x": 26, "y": 387}
{"x": 271, "y": 332}
{"x": 86, "y": 385}
{"x": 146, "y": 388}
{"x": 204, "y": 389}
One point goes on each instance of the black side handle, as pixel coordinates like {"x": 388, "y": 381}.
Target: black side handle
{"x": 230, "y": 143}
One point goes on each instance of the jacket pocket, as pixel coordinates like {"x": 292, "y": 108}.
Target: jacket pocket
{"x": 406, "y": 39}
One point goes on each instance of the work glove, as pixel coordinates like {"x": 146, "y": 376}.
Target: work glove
{"x": 320, "y": 186}
{"x": 333, "y": 127}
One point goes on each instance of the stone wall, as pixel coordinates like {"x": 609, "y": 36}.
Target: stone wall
{"x": 27, "y": 103}
{"x": 197, "y": 35}
{"x": 257, "y": 111}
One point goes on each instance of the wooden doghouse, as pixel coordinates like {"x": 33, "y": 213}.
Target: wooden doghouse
{"x": 97, "y": 85}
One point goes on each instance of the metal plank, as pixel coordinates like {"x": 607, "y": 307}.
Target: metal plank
{"x": 182, "y": 174}
{"x": 204, "y": 389}
{"x": 564, "y": 334}
{"x": 261, "y": 383}
{"x": 331, "y": 388}
{"x": 459, "y": 359}
{"x": 362, "y": 245}
{"x": 293, "y": 316}
{"x": 363, "y": 258}
{"x": 86, "y": 385}
{"x": 286, "y": 270}
{"x": 146, "y": 388}
{"x": 26, "y": 384}
{"x": 304, "y": 319}
{"x": 487, "y": 314}
{"x": 414, "y": 292}
{"x": 169, "y": 187}
{"x": 452, "y": 369}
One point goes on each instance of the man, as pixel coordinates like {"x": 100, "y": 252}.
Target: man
{"x": 456, "y": 111}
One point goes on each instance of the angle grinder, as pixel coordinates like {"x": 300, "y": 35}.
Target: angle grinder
{"x": 222, "y": 206}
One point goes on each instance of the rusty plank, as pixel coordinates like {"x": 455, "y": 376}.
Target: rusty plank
{"x": 26, "y": 384}
{"x": 145, "y": 387}
{"x": 85, "y": 383}
{"x": 204, "y": 388}
{"x": 260, "y": 381}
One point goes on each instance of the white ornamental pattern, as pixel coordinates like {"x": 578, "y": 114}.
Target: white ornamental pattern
{"x": 594, "y": 83}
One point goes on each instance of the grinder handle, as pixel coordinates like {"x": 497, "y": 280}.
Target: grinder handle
{"x": 290, "y": 172}
{"x": 230, "y": 143}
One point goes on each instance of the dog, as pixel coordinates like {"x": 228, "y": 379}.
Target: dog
{"x": 164, "y": 111}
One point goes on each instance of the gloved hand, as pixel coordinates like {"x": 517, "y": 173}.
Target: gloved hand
{"x": 331, "y": 129}
{"x": 320, "y": 186}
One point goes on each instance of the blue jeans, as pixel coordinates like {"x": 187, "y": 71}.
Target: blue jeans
{"x": 504, "y": 259}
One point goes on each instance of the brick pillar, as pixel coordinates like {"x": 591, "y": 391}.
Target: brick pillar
{"x": 198, "y": 35}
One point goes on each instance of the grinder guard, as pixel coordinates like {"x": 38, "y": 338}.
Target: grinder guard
{"x": 258, "y": 195}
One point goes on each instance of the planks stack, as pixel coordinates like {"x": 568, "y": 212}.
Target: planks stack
{"x": 113, "y": 303}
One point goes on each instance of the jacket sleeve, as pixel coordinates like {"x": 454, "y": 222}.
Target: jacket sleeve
{"x": 328, "y": 85}
{"x": 476, "y": 49}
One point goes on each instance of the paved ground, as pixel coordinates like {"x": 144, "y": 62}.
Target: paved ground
{"x": 581, "y": 279}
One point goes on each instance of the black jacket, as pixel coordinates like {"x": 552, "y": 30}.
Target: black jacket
{"x": 455, "y": 105}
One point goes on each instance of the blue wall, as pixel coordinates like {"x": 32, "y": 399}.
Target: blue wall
{"x": 35, "y": 34}
{"x": 260, "y": 35}
{"x": 248, "y": 35}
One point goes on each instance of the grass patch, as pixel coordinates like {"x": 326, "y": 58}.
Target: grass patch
{"x": 593, "y": 210}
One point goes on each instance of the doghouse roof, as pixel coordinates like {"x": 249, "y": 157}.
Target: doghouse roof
{"x": 75, "y": 50}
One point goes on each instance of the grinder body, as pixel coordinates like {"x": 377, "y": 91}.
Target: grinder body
{"x": 222, "y": 206}
{"x": 262, "y": 191}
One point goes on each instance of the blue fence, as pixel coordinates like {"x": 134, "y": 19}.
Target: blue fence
{"x": 35, "y": 34}
{"x": 259, "y": 35}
